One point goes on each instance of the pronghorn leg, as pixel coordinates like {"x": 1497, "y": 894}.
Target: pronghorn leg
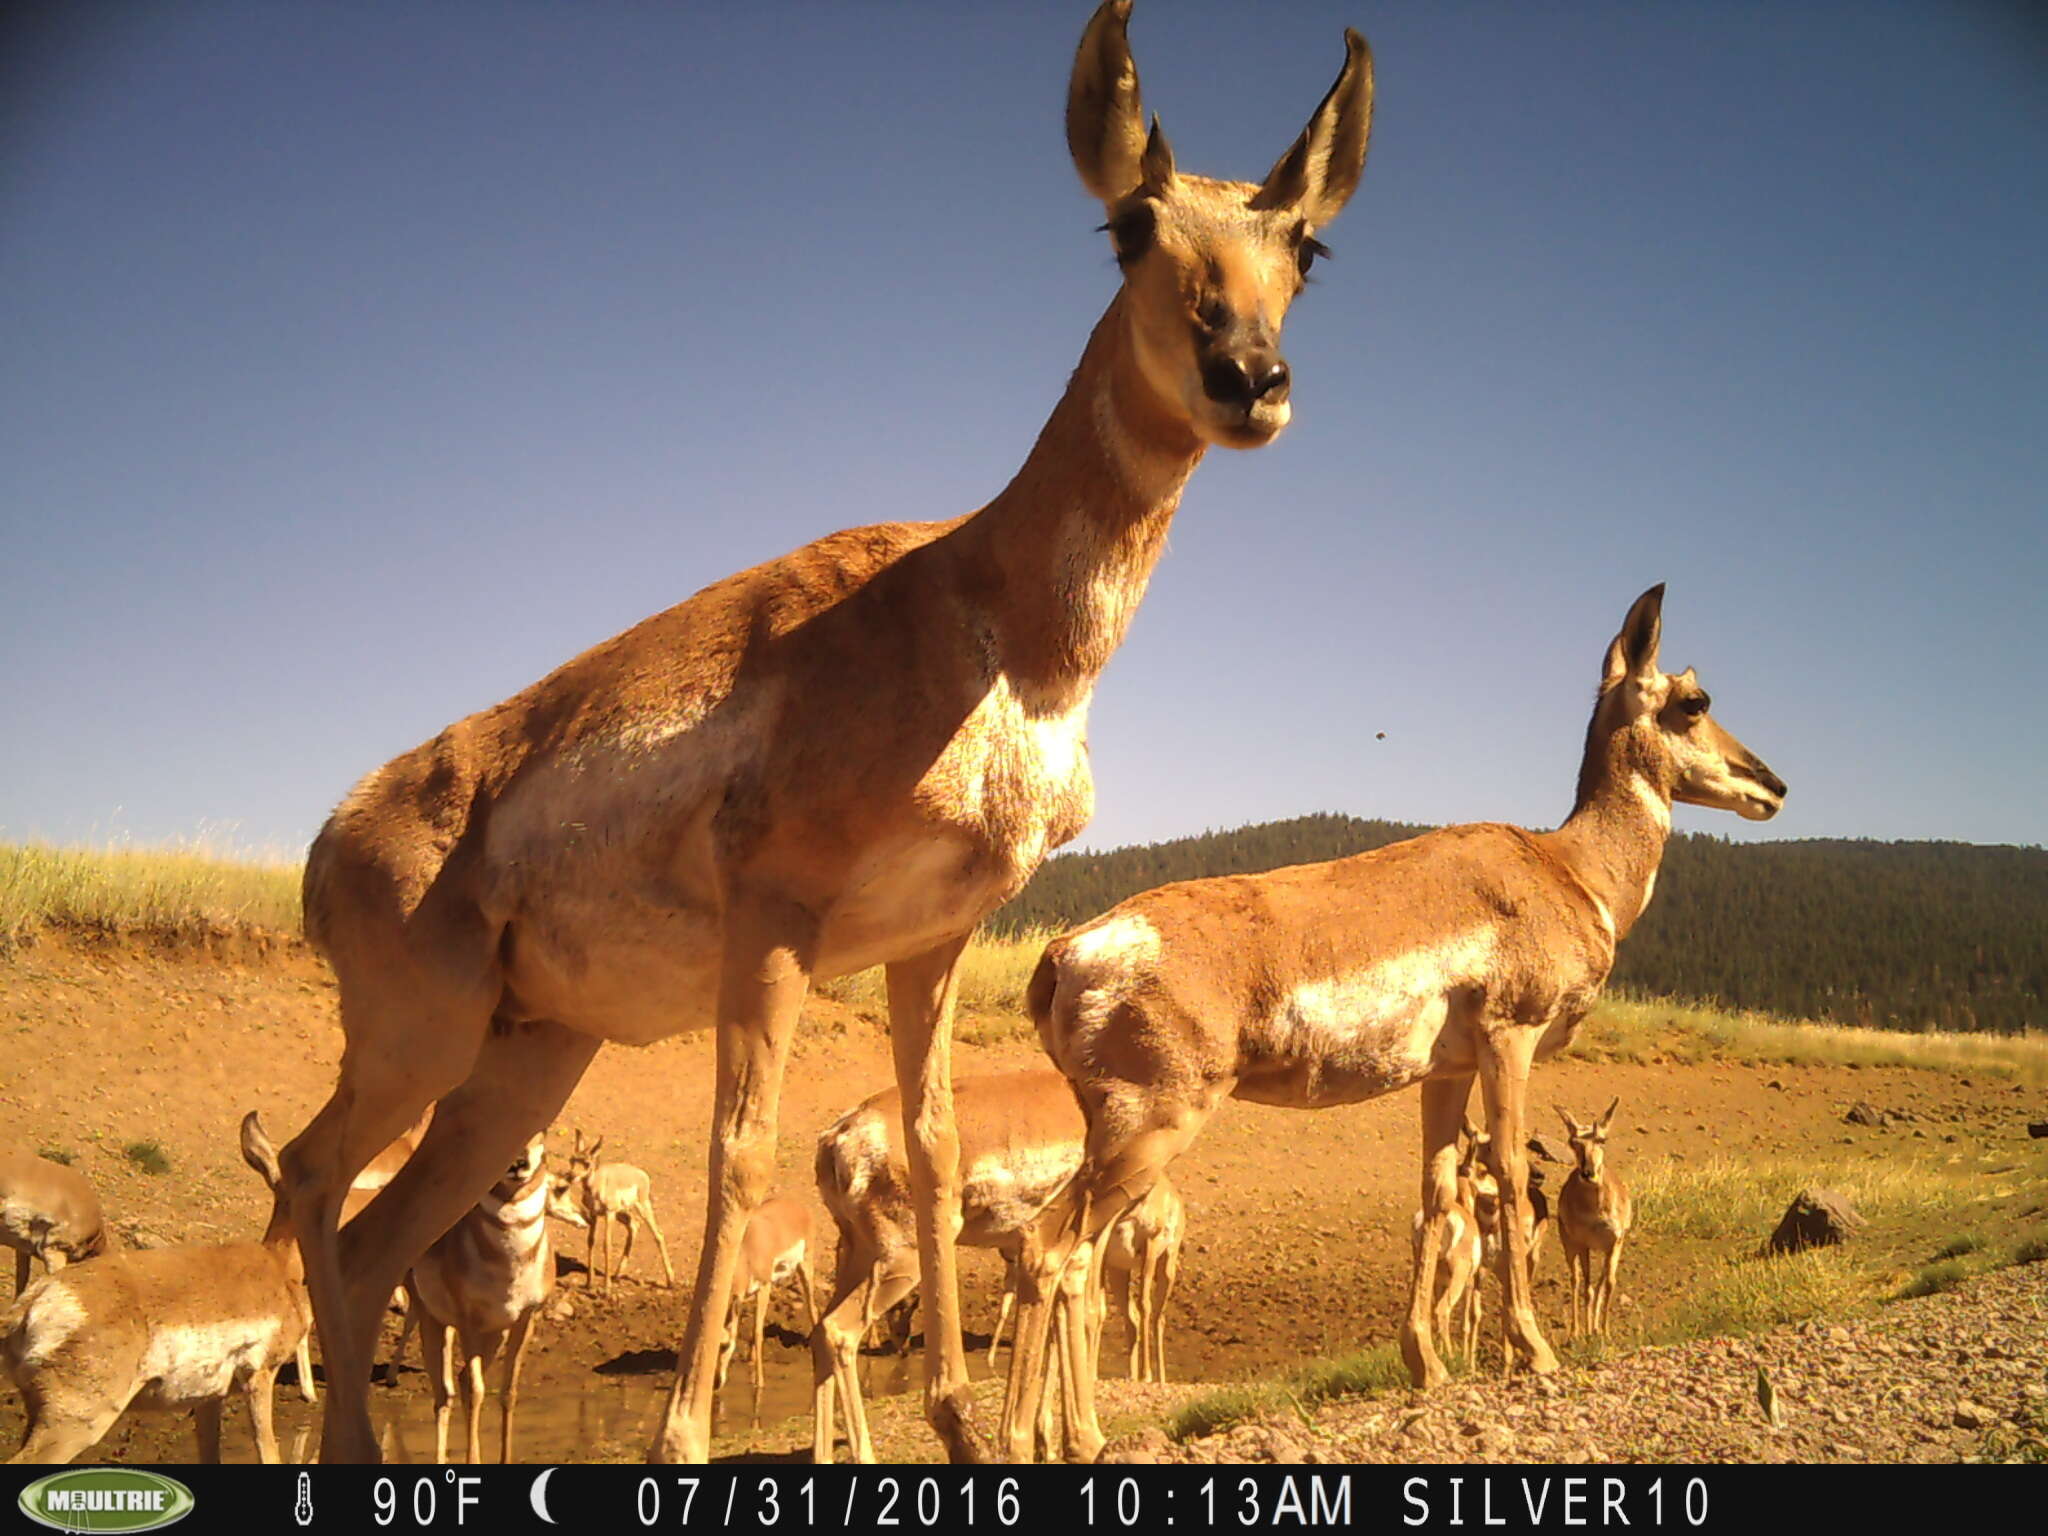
{"x": 762, "y": 982}
{"x": 259, "y": 1388}
{"x": 610, "y": 1274}
{"x": 1009, "y": 1302}
{"x": 515, "y": 1360}
{"x": 1443, "y": 1112}
{"x": 1131, "y": 1139}
{"x": 597, "y": 1219}
{"x": 206, "y": 1419}
{"x": 921, "y": 992}
{"x": 632, "y": 1231}
{"x": 473, "y": 1403}
{"x": 660, "y": 1242}
{"x": 408, "y": 1322}
{"x": 303, "y": 1359}
{"x": 55, "y": 1437}
{"x": 437, "y": 1343}
{"x": 888, "y": 1282}
{"x": 761, "y": 1297}
{"x": 1169, "y": 1276}
{"x": 852, "y": 1285}
{"x": 1607, "y": 1285}
{"x": 1080, "y": 1306}
{"x": 20, "y": 1270}
{"x": 1506, "y": 1051}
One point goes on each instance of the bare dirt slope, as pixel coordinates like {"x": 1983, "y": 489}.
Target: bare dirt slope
{"x": 1298, "y": 1222}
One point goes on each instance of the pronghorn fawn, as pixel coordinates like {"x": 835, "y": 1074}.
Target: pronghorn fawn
{"x": 1472, "y": 951}
{"x": 1594, "y": 1213}
{"x": 1140, "y": 1266}
{"x": 1454, "y": 1289}
{"x": 778, "y": 1247}
{"x": 476, "y": 1294}
{"x": 1020, "y": 1139}
{"x": 846, "y": 756}
{"x": 48, "y": 1212}
{"x": 605, "y": 1193}
{"x": 1479, "y": 1193}
{"x": 159, "y": 1329}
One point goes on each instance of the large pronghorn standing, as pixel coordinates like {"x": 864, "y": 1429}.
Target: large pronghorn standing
{"x": 1474, "y": 950}
{"x": 843, "y": 757}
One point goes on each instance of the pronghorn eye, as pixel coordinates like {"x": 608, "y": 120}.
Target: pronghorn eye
{"x": 1696, "y": 705}
{"x": 1306, "y": 253}
{"x": 1131, "y": 231}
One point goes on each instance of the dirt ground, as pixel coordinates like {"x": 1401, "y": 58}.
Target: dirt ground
{"x": 1297, "y": 1222}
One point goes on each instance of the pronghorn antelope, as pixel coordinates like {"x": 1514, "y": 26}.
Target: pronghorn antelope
{"x": 477, "y": 1291}
{"x": 1593, "y": 1217}
{"x": 1140, "y": 1266}
{"x": 48, "y": 1212}
{"x": 158, "y": 1329}
{"x": 1479, "y": 1193}
{"x": 777, "y": 1247}
{"x": 1455, "y": 1287}
{"x": 604, "y": 1193}
{"x": 1473, "y": 950}
{"x": 1020, "y": 1137}
{"x": 846, "y": 756}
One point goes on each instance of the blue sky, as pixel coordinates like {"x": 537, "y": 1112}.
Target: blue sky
{"x": 363, "y": 362}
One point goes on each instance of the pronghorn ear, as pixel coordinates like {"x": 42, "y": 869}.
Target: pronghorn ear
{"x": 258, "y": 1153}
{"x": 1608, "y": 1118}
{"x": 1571, "y": 1126}
{"x": 1105, "y": 121}
{"x": 1633, "y": 652}
{"x": 1320, "y": 170}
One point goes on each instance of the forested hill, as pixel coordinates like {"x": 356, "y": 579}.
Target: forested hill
{"x": 1903, "y": 935}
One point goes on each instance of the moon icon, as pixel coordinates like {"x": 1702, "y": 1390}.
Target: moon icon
{"x": 539, "y": 1495}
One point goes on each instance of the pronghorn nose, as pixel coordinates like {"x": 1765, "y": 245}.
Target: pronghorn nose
{"x": 1242, "y": 381}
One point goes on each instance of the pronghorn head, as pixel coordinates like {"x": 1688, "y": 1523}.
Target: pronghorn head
{"x": 1660, "y": 722}
{"x": 1210, "y": 267}
{"x": 260, "y": 1154}
{"x": 526, "y": 1165}
{"x": 1589, "y": 1141}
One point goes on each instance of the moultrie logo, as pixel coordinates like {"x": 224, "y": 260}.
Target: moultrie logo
{"x": 106, "y": 1499}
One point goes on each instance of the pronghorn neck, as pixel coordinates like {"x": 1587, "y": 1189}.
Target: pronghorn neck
{"x": 1614, "y": 838}
{"x": 1074, "y": 536}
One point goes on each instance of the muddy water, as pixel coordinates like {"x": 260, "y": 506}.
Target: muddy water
{"x": 614, "y": 1412}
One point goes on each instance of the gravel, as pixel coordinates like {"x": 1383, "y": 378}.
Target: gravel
{"x": 1961, "y": 1376}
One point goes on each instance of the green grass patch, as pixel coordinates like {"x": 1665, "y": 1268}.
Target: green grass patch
{"x": 2031, "y": 1250}
{"x": 1961, "y": 1247}
{"x": 1750, "y": 1295}
{"x": 1373, "y": 1370}
{"x": 149, "y": 1156}
{"x": 189, "y": 887}
{"x": 1743, "y": 1199}
{"x": 1932, "y": 1279}
{"x": 62, "y": 1155}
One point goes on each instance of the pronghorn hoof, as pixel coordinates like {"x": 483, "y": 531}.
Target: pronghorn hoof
{"x": 952, "y": 1416}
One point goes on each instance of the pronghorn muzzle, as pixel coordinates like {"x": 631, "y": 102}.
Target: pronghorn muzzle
{"x": 1242, "y": 368}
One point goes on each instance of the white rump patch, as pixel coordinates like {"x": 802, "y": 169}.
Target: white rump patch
{"x": 52, "y": 1317}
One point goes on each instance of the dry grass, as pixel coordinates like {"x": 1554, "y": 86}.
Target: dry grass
{"x": 1651, "y": 1030}
{"x": 190, "y": 887}
{"x": 994, "y": 972}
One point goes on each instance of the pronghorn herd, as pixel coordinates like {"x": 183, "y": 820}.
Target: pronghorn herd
{"x": 849, "y": 757}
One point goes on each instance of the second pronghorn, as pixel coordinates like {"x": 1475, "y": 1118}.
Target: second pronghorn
{"x": 1469, "y": 952}
{"x": 476, "y": 1292}
{"x": 1594, "y": 1214}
